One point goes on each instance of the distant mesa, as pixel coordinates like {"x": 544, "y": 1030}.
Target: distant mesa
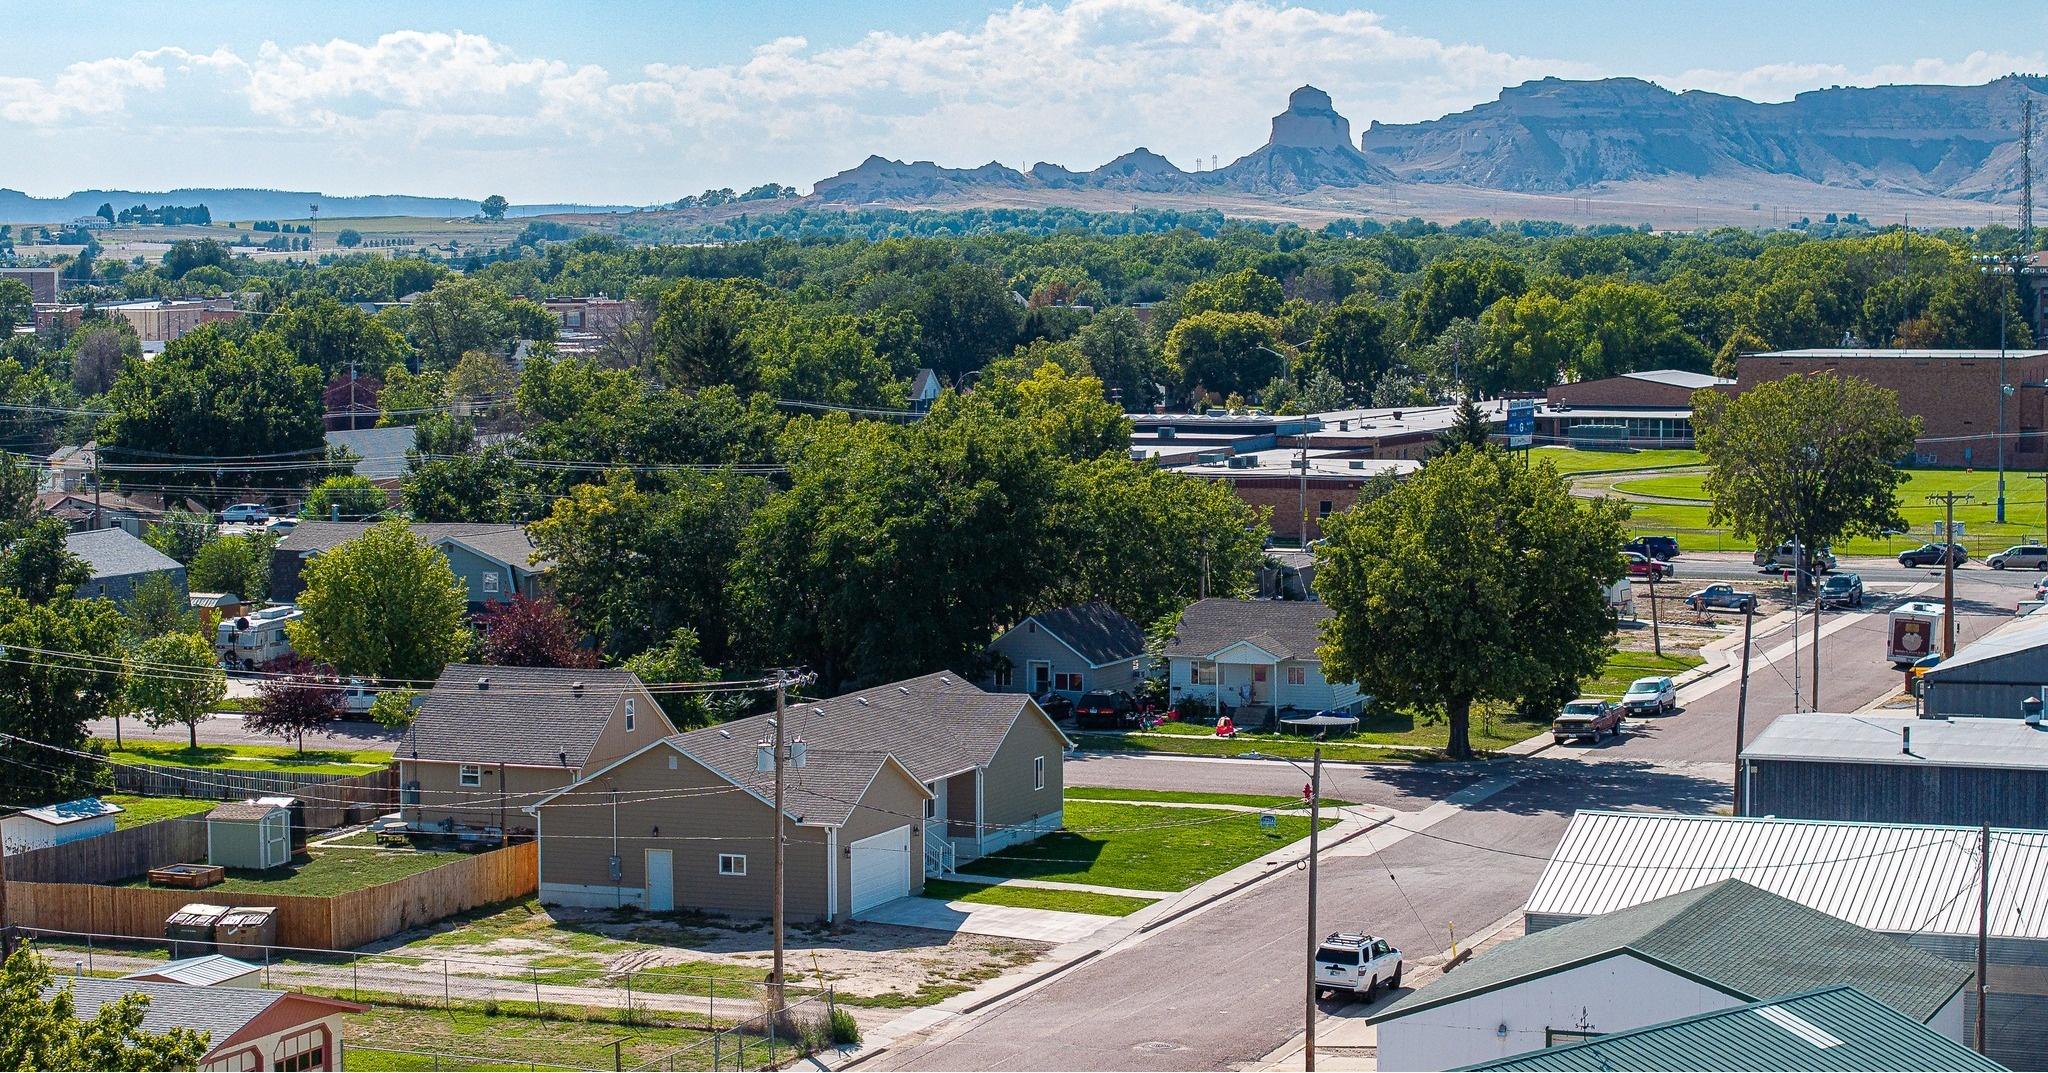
{"x": 1310, "y": 146}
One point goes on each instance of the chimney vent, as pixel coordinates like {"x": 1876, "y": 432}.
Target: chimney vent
{"x": 483, "y": 682}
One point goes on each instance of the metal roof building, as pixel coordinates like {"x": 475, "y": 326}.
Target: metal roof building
{"x": 1898, "y": 769}
{"x": 1916, "y": 883}
{"x": 1993, "y": 674}
{"x": 1833, "y": 1029}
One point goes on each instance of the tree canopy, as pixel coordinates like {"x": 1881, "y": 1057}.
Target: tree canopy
{"x": 384, "y": 605}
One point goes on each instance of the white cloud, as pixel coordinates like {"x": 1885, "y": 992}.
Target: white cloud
{"x": 1071, "y": 81}
{"x": 1783, "y": 81}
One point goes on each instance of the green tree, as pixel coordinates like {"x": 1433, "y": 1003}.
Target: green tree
{"x": 459, "y": 315}
{"x": 158, "y": 607}
{"x": 494, "y": 207}
{"x": 677, "y": 660}
{"x": 345, "y": 496}
{"x": 1458, "y": 287}
{"x": 1068, "y": 412}
{"x": 37, "y": 565}
{"x": 332, "y": 336}
{"x": 18, "y": 487}
{"x": 1352, "y": 344}
{"x": 187, "y": 254}
{"x": 1142, "y": 538}
{"x": 384, "y": 605}
{"x": 1465, "y": 584}
{"x": 41, "y": 1029}
{"x": 1224, "y": 353}
{"x": 966, "y": 318}
{"x": 1527, "y": 341}
{"x": 99, "y": 351}
{"x": 1806, "y": 458}
{"x": 55, "y": 701}
{"x": 238, "y": 564}
{"x": 17, "y": 305}
{"x": 1623, "y": 328}
{"x": 700, "y": 335}
{"x": 1123, "y": 356}
{"x": 1469, "y": 428}
{"x": 176, "y": 680}
{"x": 1244, "y": 291}
{"x": 348, "y": 238}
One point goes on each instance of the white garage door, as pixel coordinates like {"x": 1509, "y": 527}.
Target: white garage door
{"x": 881, "y": 869}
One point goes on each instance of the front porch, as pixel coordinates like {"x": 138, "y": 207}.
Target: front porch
{"x": 956, "y": 828}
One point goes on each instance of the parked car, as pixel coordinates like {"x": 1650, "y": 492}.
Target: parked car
{"x": 245, "y": 512}
{"x": 1587, "y": 717}
{"x": 1357, "y": 963}
{"x": 1640, "y": 565}
{"x": 2041, "y": 589}
{"x": 1934, "y": 555}
{"x": 1722, "y": 596}
{"x": 2023, "y": 556}
{"x": 1650, "y": 695}
{"x": 1783, "y": 557}
{"x": 1842, "y": 590}
{"x": 1661, "y": 548}
{"x": 1054, "y": 705}
{"x": 281, "y": 526}
{"x": 1106, "y": 707}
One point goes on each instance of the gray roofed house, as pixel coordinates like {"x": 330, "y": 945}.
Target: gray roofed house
{"x": 1718, "y": 945}
{"x": 120, "y": 563}
{"x": 1069, "y": 651}
{"x": 494, "y": 559}
{"x": 1899, "y": 769}
{"x": 246, "y": 1027}
{"x": 1831, "y": 1029}
{"x": 521, "y": 731}
{"x": 1254, "y": 658}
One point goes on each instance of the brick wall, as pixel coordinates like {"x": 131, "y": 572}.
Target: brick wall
{"x": 1953, "y": 397}
{"x": 1280, "y": 497}
{"x": 1619, "y": 391}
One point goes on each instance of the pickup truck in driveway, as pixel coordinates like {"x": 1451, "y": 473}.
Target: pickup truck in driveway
{"x": 1358, "y": 963}
{"x": 1588, "y": 717}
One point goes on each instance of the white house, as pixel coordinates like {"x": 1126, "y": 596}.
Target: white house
{"x": 54, "y": 825}
{"x": 1711, "y": 948}
{"x": 1258, "y": 655}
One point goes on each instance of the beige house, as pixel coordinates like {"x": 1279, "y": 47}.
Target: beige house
{"x": 489, "y": 741}
{"x": 247, "y": 1027}
{"x": 899, "y": 781}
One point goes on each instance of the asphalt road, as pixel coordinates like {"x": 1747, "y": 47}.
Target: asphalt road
{"x": 1408, "y": 789}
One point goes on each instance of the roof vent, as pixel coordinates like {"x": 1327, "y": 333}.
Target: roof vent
{"x": 902, "y": 690}
{"x": 2031, "y": 708}
{"x": 576, "y": 686}
{"x": 483, "y": 682}
{"x": 862, "y": 701}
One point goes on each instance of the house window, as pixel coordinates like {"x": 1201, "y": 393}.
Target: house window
{"x": 490, "y": 581}
{"x": 472, "y": 775}
{"x": 629, "y": 713}
{"x": 1038, "y": 773}
{"x": 1324, "y": 510}
{"x": 1202, "y": 674}
{"x": 931, "y": 805}
{"x": 732, "y": 864}
{"x": 1003, "y": 676}
{"x": 1296, "y": 676}
{"x": 1258, "y": 674}
{"x": 307, "y": 1050}
{"x": 1067, "y": 680}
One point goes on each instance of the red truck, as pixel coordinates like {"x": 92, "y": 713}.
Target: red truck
{"x": 1588, "y": 717}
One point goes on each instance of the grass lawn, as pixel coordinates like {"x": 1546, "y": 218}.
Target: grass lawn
{"x": 1385, "y": 726}
{"x": 329, "y": 873}
{"x": 1192, "y": 797}
{"x": 1571, "y": 460}
{"x": 378, "y": 1037}
{"x": 1065, "y": 901}
{"x": 137, "y": 811}
{"x": 1983, "y": 535}
{"x": 251, "y": 757}
{"x": 1140, "y": 847}
{"x": 1625, "y": 667}
{"x": 1264, "y": 745}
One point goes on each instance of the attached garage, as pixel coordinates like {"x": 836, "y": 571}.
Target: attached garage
{"x": 881, "y": 869}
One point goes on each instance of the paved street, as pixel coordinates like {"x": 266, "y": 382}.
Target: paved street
{"x": 1156, "y": 1002}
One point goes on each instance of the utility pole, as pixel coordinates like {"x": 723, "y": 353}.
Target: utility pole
{"x": 1742, "y": 703}
{"x": 95, "y": 488}
{"x": 1304, "y": 488}
{"x": 1816, "y": 646}
{"x": 1656, "y": 637}
{"x": 1315, "y": 823}
{"x": 1798, "y": 582}
{"x": 772, "y": 755}
{"x": 1983, "y": 921}
{"x": 1948, "y": 570}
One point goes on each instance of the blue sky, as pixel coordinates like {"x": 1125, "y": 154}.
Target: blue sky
{"x": 638, "y": 101}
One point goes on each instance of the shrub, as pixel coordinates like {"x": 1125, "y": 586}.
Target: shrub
{"x": 393, "y": 707}
{"x": 845, "y": 1030}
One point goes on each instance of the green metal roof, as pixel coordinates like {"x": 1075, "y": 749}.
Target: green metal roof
{"x": 1728, "y": 935}
{"x": 1826, "y": 1031}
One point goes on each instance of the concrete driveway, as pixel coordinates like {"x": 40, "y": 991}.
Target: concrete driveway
{"x": 1006, "y": 921}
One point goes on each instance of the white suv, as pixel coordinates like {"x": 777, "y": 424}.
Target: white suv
{"x": 1349, "y": 961}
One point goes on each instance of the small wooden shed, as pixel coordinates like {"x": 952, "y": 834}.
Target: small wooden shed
{"x": 54, "y": 825}
{"x": 255, "y": 835}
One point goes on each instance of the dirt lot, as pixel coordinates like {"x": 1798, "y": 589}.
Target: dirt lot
{"x": 867, "y": 964}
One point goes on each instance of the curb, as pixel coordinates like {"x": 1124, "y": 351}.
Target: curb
{"x": 1260, "y": 878}
{"x": 1025, "y": 985}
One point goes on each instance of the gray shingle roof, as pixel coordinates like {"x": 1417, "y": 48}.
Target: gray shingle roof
{"x": 219, "y": 1011}
{"x": 823, "y": 791}
{"x": 1730, "y": 935}
{"x": 525, "y": 715}
{"x": 1290, "y": 629}
{"x": 1099, "y": 632}
{"x": 1837, "y": 1028}
{"x": 114, "y": 553}
{"x": 935, "y": 726}
{"x": 241, "y": 811}
{"x": 505, "y": 542}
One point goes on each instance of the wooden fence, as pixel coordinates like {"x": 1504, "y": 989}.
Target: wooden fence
{"x": 110, "y": 858}
{"x": 341, "y": 922}
{"x": 330, "y": 800}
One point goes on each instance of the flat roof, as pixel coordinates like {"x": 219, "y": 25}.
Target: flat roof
{"x": 85, "y": 808}
{"x": 1920, "y": 354}
{"x": 2022, "y": 634}
{"x": 1882, "y": 739}
{"x": 1280, "y": 462}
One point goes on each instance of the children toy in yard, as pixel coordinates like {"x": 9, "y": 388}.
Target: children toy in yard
{"x": 1226, "y": 728}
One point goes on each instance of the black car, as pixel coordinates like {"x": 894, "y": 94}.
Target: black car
{"x": 1934, "y": 555}
{"x": 1106, "y": 708}
{"x": 1660, "y": 548}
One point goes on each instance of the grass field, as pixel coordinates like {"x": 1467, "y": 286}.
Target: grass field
{"x": 330, "y": 873}
{"x": 1625, "y": 667}
{"x": 379, "y": 1039}
{"x": 1139, "y": 847}
{"x": 2024, "y": 521}
{"x": 1065, "y": 901}
{"x": 136, "y": 811}
{"x": 1264, "y": 745}
{"x": 1571, "y": 461}
{"x": 1192, "y": 797}
{"x": 251, "y": 757}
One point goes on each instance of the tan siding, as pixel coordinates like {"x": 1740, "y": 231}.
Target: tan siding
{"x": 442, "y": 795}
{"x": 649, "y": 725}
{"x": 576, "y": 838}
{"x": 1007, "y": 790}
{"x": 891, "y": 801}
{"x": 960, "y": 805}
